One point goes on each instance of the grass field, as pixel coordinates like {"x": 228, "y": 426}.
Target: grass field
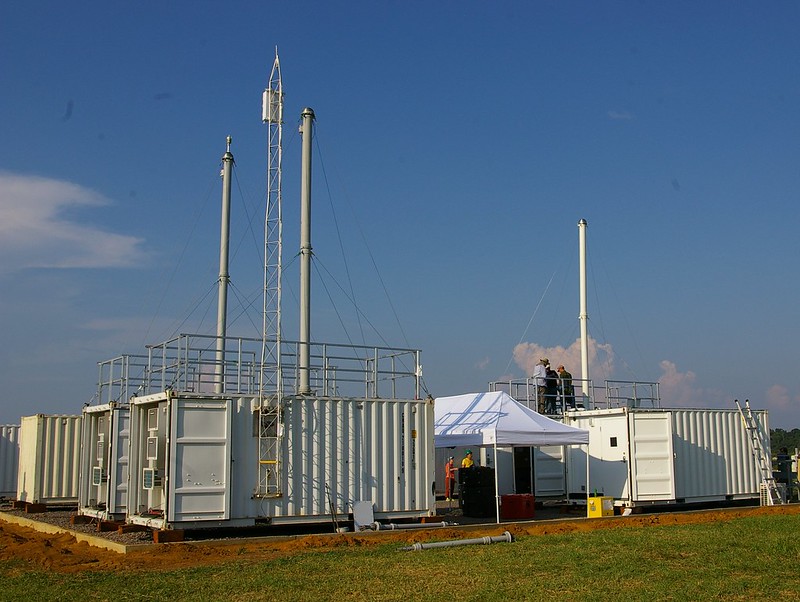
{"x": 752, "y": 558}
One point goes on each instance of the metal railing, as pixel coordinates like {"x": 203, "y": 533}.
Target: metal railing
{"x": 632, "y": 394}
{"x": 613, "y": 394}
{"x": 189, "y": 362}
{"x": 535, "y": 396}
{"x": 120, "y": 377}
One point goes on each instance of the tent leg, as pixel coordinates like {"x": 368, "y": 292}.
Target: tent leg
{"x": 587, "y": 477}
{"x": 496, "y": 484}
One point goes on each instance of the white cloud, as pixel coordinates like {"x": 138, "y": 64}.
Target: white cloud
{"x": 677, "y": 388}
{"x": 36, "y": 233}
{"x": 601, "y": 358}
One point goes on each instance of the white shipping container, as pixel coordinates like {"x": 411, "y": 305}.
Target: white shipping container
{"x": 665, "y": 456}
{"x": 194, "y": 460}
{"x": 103, "y": 481}
{"x": 49, "y": 455}
{"x": 9, "y": 459}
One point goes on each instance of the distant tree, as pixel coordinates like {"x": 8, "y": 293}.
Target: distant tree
{"x": 779, "y": 438}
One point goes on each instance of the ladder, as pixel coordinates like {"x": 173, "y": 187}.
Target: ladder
{"x": 770, "y": 494}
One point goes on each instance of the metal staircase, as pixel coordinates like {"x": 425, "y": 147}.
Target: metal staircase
{"x": 771, "y": 495}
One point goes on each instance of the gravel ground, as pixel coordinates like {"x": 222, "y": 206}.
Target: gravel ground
{"x": 61, "y": 519}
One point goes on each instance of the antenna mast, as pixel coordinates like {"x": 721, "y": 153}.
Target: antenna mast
{"x": 224, "y": 278}
{"x": 272, "y": 115}
{"x": 584, "y": 315}
{"x": 270, "y": 373}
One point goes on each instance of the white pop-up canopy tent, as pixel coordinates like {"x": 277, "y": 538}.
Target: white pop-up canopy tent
{"x": 484, "y": 419}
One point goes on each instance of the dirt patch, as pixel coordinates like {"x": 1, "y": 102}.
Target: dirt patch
{"x": 63, "y": 553}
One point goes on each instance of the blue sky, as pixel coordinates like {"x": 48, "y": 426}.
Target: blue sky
{"x": 457, "y": 146}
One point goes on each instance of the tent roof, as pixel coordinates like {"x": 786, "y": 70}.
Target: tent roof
{"x": 496, "y": 418}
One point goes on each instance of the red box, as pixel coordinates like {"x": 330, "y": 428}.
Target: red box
{"x": 517, "y": 505}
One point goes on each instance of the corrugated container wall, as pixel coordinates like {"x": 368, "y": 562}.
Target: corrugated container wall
{"x": 371, "y": 449}
{"x": 714, "y": 452}
{"x": 9, "y": 459}
{"x": 49, "y": 459}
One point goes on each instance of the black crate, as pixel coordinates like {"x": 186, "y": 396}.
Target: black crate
{"x": 478, "y": 502}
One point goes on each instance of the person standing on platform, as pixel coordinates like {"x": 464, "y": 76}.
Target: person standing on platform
{"x": 540, "y": 381}
{"x": 550, "y": 391}
{"x": 450, "y": 479}
{"x": 567, "y": 390}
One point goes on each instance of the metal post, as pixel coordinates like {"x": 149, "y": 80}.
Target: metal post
{"x": 584, "y": 316}
{"x": 224, "y": 278}
{"x": 304, "y": 366}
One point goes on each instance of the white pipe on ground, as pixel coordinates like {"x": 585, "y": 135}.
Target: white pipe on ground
{"x": 505, "y": 537}
{"x": 393, "y": 526}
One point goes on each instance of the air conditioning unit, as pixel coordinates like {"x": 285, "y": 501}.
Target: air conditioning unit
{"x": 151, "y": 478}
{"x": 98, "y": 476}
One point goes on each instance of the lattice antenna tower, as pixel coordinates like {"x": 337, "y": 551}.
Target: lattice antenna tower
{"x": 270, "y": 428}
{"x": 272, "y": 115}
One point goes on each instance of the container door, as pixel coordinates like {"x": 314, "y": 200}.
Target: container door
{"x": 118, "y": 463}
{"x": 608, "y": 451}
{"x": 549, "y": 471}
{"x": 200, "y": 460}
{"x": 652, "y": 466}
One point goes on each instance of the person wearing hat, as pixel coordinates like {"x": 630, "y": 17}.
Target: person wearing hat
{"x": 450, "y": 479}
{"x": 468, "y": 462}
{"x": 567, "y": 390}
{"x": 550, "y": 391}
{"x": 540, "y": 380}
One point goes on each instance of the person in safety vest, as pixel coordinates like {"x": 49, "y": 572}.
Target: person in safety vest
{"x": 449, "y": 479}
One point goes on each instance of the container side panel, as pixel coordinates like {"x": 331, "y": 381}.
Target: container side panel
{"x": 713, "y": 455}
{"x": 9, "y": 459}
{"x": 49, "y": 467}
{"x": 340, "y": 451}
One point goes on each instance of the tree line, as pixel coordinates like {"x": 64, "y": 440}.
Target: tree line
{"x": 780, "y": 438}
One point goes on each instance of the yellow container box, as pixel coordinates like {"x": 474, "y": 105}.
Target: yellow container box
{"x": 597, "y": 507}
